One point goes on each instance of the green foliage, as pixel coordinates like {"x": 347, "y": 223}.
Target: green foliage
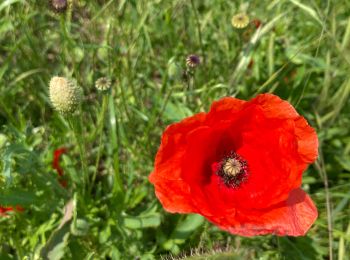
{"x": 108, "y": 209}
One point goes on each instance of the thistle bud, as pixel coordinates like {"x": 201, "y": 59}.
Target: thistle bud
{"x": 192, "y": 61}
{"x": 59, "y": 6}
{"x": 65, "y": 95}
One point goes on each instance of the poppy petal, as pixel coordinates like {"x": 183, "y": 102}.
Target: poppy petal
{"x": 294, "y": 218}
{"x": 170, "y": 188}
{"x": 274, "y": 107}
{"x": 307, "y": 140}
{"x": 223, "y": 109}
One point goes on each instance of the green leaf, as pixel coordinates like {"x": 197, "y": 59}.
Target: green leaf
{"x": 308, "y": 10}
{"x": 186, "y": 227}
{"x": 80, "y": 227}
{"x": 55, "y": 247}
{"x": 145, "y": 221}
{"x": 298, "y": 248}
{"x": 58, "y": 251}
{"x": 7, "y": 3}
{"x": 17, "y": 197}
{"x": 175, "y": 112}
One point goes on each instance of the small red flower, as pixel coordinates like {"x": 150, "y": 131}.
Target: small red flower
{"x": 5, "y": 210}
{"x": 56, "y": 160}
{"x": 240, "y": 166}
{"x": 56, "y": 164}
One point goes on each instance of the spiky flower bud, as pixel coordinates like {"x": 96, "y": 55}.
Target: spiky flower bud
{"x": 192, "y": 61}
{"x": 65, "y": 95}
{"x": 59, "y": 6}
{"x": 103, "y": 84}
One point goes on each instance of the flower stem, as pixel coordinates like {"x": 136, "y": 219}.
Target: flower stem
{"x": 198, "y": 29}
{"x": 18, "y": 247}
{"x": 100, "y": 123}
{"x": 118, "y": 184}
{"x": 78, "y": 132}
{"x": 321, "y": 169}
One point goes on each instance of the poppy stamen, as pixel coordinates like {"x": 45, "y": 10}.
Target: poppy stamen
{"x": 233, "y": 170}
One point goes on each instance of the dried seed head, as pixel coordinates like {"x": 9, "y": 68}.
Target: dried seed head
{"x": 65, "y": 95}
{"x": 240, "y": 20}
{"x": 192, "y": 61}
{"x": 103, "y": 84}
{"x": 233, "y": 170}
{"x": 60, "y": 6}
{"x": 232, "y": 167}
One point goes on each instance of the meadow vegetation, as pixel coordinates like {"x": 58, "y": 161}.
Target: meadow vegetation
{"x": 103, "y": 206}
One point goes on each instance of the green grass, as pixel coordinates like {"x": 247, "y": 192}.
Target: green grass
{"x": 301, "y": 53}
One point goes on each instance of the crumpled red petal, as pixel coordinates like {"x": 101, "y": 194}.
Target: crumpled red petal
{"x": 170, "y": 188}
{"x": 292, "y": 218}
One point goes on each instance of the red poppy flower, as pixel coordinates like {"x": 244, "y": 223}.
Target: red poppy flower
{"x": 56, "y": 165}
{"x": 240, "y": 166}
{"x": 5, "y": 210}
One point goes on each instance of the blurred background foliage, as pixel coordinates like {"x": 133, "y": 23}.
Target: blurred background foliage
{"x": 301, "y": 52}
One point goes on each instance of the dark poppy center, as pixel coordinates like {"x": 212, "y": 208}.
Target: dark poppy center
{"x": 233, "y": 170}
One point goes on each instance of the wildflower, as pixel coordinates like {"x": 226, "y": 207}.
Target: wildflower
{"x": 59, "y": 6}
{"x": 5, "y": 210}
{"x": 240, "y": 166}
{"x": 240, "y": 20}
{"x": 65, "y": 95}
{"x": 56, "y": 165}
{"x": 56, "y": 160}
{"x": 103, "y": 84}
{"x": 192, "y": 61}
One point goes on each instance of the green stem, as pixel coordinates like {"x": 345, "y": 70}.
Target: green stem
{"x": 118, "y": 184}
{"x": 321, "y": 169}
{"x": 82, "y": 151}
{"x": 198, "y": 29}
{"x": 77, "y": 132}
{"x": 18, "y": 247}
{"x": 100, "y": 123}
